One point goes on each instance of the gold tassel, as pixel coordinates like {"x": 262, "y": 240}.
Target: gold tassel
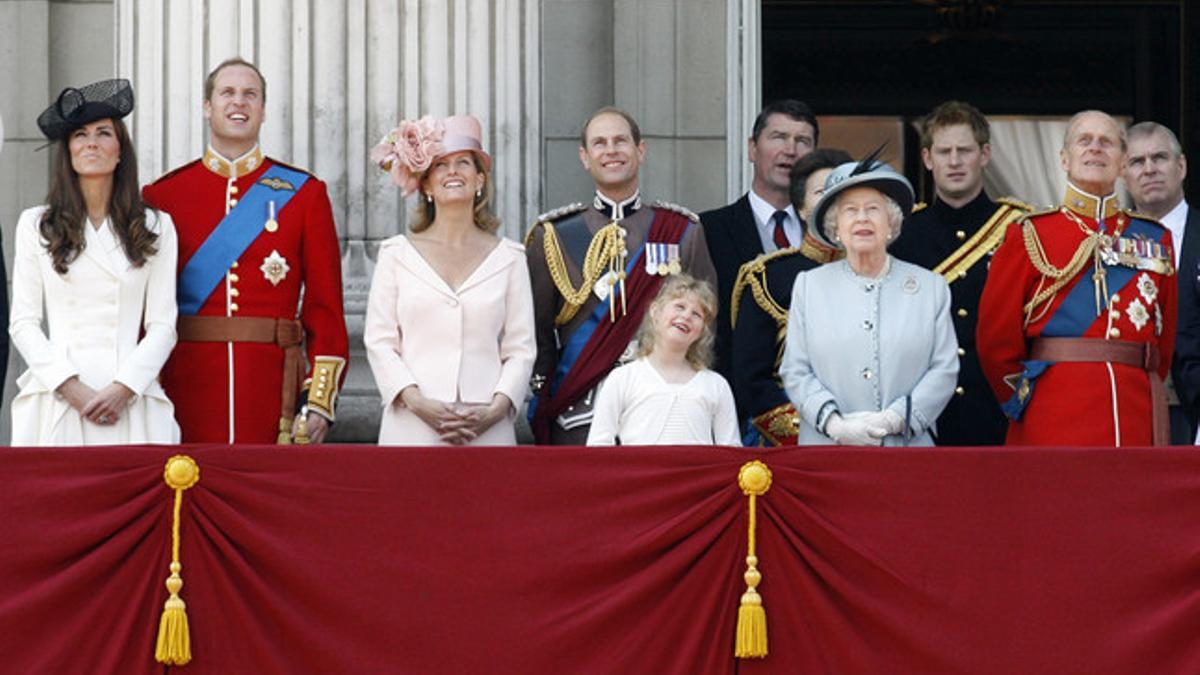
{"x": 285, "y": 432}
{"x": 174, "y": 646}
{"x": 755, "y": 479}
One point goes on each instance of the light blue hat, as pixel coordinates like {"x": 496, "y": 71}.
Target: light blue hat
{"x": 869, "y": 172}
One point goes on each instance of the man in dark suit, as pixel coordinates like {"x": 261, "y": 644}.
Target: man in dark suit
{"x": 763, "y": 220}
{"x": 955, "y": 237}
{"x": 1154, "y": 174}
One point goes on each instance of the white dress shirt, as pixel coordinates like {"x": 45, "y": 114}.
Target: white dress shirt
{"x": 1175, "y": 222}
{"x": 764, "y": 218}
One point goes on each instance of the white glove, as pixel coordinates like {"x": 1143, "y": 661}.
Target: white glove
{"x": 884, "y": 423}
{"x": 853, "y": 429}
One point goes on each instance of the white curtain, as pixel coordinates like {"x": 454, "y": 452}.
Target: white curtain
{"x": 1025, "y": 160}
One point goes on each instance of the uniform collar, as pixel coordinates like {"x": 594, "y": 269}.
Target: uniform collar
{"x": 233, "y": 168}
{"x": 971, "y": 215}
{"x": 614, "y": 210}
{"x": 1091, "y": 206}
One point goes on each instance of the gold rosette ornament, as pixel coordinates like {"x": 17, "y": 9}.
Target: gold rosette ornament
{"x": 755, "y": 479}
{"x": 174, "y": 647}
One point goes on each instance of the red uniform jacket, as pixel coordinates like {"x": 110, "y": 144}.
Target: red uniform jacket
{"x": 230, "y": 392}
{"x": 1090, "y": 403}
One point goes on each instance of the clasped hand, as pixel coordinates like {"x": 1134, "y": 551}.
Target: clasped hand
{"x": 863, "y": 428}
{"x": 102, "y": 407}
{"x": 456, "y": 423}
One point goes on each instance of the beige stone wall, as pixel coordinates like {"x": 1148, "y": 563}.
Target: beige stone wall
{"x": 341, "y": 72}
{"x": 44, "y": 46}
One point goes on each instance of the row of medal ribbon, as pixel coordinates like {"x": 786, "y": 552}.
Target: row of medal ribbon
{"x": 662, "y": 259}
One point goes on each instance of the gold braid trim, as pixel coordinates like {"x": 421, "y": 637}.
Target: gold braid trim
{"x": 1062, "y": 277}
{"x": 606, "y": 244}
{"x": 987, "y": 239}
{"x": 754, "y": 275}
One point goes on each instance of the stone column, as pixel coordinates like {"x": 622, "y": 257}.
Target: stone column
{"x": 339, "y": 76}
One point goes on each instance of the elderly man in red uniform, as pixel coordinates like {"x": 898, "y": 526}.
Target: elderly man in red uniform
{"x": 254, "y": 234}
{"x": 1077, "y": 320}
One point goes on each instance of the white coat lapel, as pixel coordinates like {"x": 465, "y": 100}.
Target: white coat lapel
{"x": 98, "y": 247}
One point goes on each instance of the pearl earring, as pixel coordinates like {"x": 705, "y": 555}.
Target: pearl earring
{"x": 428, "y": 197}
{"x": 479, "y": 193}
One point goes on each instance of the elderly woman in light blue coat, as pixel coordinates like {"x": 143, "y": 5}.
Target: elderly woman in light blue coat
{"x": 870, "y": 356}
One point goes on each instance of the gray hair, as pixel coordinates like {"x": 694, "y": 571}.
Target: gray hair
{"x": 1079, "y": 115}
{"x": 895, "y": 219}
{"x": 1144, "y": 129}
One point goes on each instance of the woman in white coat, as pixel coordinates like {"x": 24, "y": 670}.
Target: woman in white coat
{"x": 870, "y": 356}
{"x": 103, "y": 266}
{"x": 449, "y": 324}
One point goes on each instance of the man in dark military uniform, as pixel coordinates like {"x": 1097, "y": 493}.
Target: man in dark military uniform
{"x": 594, "y": 270}
{"x": 762, "y": 295}
{"x": 956, "y": 236}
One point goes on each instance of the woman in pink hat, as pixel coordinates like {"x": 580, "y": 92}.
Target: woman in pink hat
{"x": 449, "y": 323}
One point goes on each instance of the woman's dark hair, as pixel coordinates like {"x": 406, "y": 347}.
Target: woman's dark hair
{"x": 62, "y": 224}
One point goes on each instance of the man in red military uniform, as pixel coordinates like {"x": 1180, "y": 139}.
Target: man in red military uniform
{"x": 253, "y": 364}
{"x": 1077, "y": 320}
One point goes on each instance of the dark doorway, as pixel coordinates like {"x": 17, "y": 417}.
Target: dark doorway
{"x": 1008, "y": 57}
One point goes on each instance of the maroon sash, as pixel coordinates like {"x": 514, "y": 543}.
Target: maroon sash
{"x": 610, "y": 338}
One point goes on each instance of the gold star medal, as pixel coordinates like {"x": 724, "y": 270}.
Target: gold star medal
{"x": 271, "y": 225}
{"x": 274, "y": 268}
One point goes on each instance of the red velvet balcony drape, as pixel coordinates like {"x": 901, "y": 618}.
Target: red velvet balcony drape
{"x": 627, "y": 560}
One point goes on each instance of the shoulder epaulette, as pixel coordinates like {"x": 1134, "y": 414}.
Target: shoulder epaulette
{"x": 919, "y": 206}
{"x": 174, "y": 171}
{"x": 1015, "y": 203}
{"x": 1041, "y": 212}
{"x": 690, "y": 215}
{"x": 1141, "y": 216}
{"x": 561, "y": 212}
{"x": 291, "y": 167}
{"x": 753, "y": 274}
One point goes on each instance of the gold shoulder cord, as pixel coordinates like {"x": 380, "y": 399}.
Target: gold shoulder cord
{"x": 986, "y": 240}
{"x": 606, "y": 245}
{"x": 754, "y": 275}
{"x": 1061, "y": 277}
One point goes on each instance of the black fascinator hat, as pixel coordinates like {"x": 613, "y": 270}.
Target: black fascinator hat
{"x": 77, "y": 107}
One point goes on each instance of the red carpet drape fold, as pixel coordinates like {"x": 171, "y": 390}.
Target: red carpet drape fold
{"x": 625, "y": 560}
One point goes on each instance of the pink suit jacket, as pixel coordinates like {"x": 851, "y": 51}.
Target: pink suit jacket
{"x": 463, "y": 345}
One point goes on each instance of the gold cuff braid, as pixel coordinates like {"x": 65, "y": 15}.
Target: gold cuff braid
{"x": 323, "y": 385}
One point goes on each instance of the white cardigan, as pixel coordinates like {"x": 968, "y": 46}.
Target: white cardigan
{"x": 94, "y": 314}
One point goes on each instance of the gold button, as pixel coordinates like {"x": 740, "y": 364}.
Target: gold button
{"x": 233, "y": 307}
{"x": 1116, "y": 298}
{"x": 1114, "y": 332}
{"x": 961, "y": 235}
{"x": 960, "y": 391}
{"x": 233, "y": 202}
{"x": 962, "y": 312}
{"x": 233, "y": 266}
{"x": 962, "y": 274}
{"x": 962, "y": 352}
{"x": 1114, "y": 314}
{"x": 234, "y": 292}
{"x": 233, "y": 189}
{"x": 233, "y": 277}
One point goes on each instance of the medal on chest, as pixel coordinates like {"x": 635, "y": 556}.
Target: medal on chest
{"x": 274, "y": 268}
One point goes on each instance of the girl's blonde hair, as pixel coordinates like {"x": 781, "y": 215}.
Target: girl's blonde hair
{"x": 700, "y": 353}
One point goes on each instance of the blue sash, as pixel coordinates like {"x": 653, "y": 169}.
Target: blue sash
{"x": 234, "y": 234}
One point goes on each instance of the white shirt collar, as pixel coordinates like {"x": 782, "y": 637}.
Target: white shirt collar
{"x": 1175, "y": 221}
{"x": 763, "y": 218}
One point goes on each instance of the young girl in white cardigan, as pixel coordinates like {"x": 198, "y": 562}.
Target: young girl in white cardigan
{"x": 668, "y": 396}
